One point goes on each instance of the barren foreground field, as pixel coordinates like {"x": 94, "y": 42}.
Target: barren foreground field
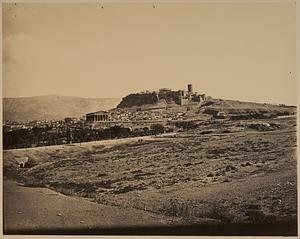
{"x": 221, "y": 173}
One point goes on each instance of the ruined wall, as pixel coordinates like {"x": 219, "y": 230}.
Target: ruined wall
{"x": 138, "y": 99}
{"x": 171, "y": 96}
{"x": 184, "y": 101}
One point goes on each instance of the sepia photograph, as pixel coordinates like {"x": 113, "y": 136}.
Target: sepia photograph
{"x": 174, "y": 118}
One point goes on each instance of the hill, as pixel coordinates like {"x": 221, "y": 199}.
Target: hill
{"x": 53, "y": 107}
{"x": 247, "y": 109}
{"x": 211, "y": 107}
{"x": 138, "y": 99}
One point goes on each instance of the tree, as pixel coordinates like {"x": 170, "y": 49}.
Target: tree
{"x": 157, "y": 128}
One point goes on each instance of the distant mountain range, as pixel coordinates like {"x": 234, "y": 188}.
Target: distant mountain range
{"x": 53, "y": 107}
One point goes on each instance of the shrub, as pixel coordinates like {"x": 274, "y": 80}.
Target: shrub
{"x": 157, "y": 128}
{"x": 186, "y": 124}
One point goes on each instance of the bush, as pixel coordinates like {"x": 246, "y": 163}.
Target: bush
{"x": 157, "y": 129}
{"x": 186, "y": 124}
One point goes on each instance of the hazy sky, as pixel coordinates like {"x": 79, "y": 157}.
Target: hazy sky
{"x": 234, "y": 51}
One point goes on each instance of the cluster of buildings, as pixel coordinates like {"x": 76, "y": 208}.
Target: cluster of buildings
{"x": 128, "y": 116}
{"x": 48, "y": 125}
{"x": 145, "y": 115}
{"x": 121, "y": 114}
{"x": 181, "y": 97}
{"x": 16, "y": 125}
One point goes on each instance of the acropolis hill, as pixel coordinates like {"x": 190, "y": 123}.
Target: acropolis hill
{"x": 164, "y": 95}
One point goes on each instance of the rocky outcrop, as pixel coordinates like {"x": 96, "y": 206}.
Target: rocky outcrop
{"x": 138, "y": 99}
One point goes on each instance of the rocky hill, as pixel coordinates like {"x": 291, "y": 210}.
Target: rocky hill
{"x": 138, "y": 99}
{"x": 240, "y": 108}
{"x": 53, "y": 107}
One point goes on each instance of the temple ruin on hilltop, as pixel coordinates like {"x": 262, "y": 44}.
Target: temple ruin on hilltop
{"x": 179, "y": 97}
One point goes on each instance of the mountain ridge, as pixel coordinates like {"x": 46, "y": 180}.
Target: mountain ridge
{"x": 52, "y": 107}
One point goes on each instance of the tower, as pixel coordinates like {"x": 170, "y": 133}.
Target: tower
{"x": 190, "y": 88}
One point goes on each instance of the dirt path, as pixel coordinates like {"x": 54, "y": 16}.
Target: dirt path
{"x": 39, "y": 208}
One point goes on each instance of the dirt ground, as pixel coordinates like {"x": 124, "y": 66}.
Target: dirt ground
{"x": 40, "y": 208}
{"x": 222, "y": 172}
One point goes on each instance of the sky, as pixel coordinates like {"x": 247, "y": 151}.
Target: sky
{"x": 242, "y": 51}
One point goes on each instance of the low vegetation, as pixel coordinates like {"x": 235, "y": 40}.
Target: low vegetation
{"x": 219, "y": 172}
{"x": 24, "y": 138}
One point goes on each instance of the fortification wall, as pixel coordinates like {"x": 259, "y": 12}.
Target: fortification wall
{"x": 171, "y": 96}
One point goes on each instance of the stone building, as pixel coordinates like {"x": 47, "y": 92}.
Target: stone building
{"x": 170, "y": 96}
{"x": 190, "y": 88}
{"x": 181, "y": 97}
{"x": 98, "y": 116}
